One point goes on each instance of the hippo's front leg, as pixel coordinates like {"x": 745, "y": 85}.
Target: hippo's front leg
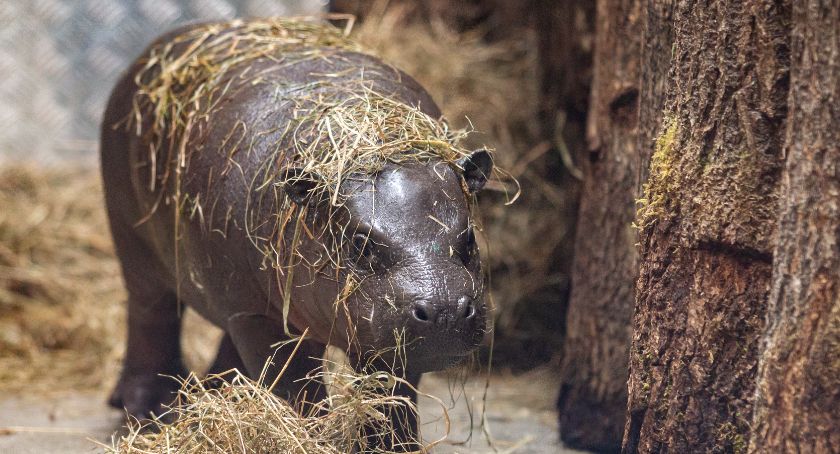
{"x": 404, "y": 435}
{"x": 255, "y": 337}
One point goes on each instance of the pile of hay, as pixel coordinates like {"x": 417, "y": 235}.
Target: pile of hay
{"x": 62, "y": 311}
{"x": 231, "y": 413}
{"x": 60, "y": 292}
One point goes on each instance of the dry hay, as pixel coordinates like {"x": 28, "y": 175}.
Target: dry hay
{"x": 61, "y": 293}
{"x": 60, "y": 290}
{"x": 231, "y": 413}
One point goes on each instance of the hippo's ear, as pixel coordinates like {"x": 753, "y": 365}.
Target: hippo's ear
{"x": 476, "y": 167}
{"x": 299, "y": 185}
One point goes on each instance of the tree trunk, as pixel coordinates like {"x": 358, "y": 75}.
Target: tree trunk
{"x": 593, "y": 394}
{"x": 706, "y": 220}
{"x": 797, "y": 407}
{"x": 657, "y": 41}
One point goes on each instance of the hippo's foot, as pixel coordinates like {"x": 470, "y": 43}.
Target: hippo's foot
{"x": 144, "y": 394}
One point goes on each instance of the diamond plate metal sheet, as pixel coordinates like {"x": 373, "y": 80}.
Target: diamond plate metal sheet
{"x": 59, "y": 60}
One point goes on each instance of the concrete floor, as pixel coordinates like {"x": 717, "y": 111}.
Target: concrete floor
{"x": 520, "y": 417}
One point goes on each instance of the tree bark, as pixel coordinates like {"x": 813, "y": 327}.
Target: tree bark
{"x": 565, "y": 31}
{"x": 657, "y": 42}
{"x": 706, "y": 219}
{"x": 593, "y": 394}
{"x": 797, "y": 406}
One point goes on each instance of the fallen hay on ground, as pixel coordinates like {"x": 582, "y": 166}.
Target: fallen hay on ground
{"x": 62, "y": 317}
{"x": 231, "y": 413}
{"x": 60, "y": 290}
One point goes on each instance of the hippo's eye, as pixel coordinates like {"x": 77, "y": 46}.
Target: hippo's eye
{"x": 363, "y": 252}
{"x": 468, "y": 249}
{"x": 362, "y": 246}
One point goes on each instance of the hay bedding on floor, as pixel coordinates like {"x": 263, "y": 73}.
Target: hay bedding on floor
{"x": 60, "y": 289}
{"x": 244, "y": 416}
{"x": 61, "y": 315}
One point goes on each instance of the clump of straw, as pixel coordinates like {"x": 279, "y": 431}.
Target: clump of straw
{"x": 61, "y": 293}
{"x": 347, "y": 128}
{"x": 60, "y": 287}
{"x": 359, "y": 134}
{"x": 190, "y": 69}
{"x": 231, "y": 413}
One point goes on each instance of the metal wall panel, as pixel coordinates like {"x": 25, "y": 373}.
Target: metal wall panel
{"x": 60, "y": 58}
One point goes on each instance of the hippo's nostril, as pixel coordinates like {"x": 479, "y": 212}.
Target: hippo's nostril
{"x": 421, "y": 314}
{"x": 465, "y": 308}
{"x": 470, "y": 311}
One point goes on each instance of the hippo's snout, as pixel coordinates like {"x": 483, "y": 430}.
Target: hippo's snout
{"x": 426, "y": 316}
{"x": 431, "y": 312}
{"x": 441, "y": 312}
{"x": 443, "y": 333}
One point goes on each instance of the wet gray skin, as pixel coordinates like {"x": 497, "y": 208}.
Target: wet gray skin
{"x": 406, "y": 240}
{"x": 411, "y": 245}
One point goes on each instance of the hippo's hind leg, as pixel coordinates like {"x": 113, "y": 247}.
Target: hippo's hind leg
{"x": 153, "y": 353}
{"x": 153, "y": 320}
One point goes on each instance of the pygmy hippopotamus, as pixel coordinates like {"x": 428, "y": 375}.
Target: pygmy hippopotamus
{"x": 278, "y": 180}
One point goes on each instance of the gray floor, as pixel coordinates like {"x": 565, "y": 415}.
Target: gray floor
{"x": 519, "y": 414}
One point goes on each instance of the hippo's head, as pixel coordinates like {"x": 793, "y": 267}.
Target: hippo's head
{"x": 408, "y": 250}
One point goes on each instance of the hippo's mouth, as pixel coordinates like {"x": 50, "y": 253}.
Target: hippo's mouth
{"x": 426, "y": 346}
{"x": 431, "y": 354}
{"x": 434, "y": 362}
{"x": 420, "y": 353}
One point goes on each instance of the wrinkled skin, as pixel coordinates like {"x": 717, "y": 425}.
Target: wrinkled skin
{"x": 408, "y": 243}
{"x": 409, "y": 246}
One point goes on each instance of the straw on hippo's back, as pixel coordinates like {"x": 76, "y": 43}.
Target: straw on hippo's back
{"x": 276, "y": 180}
